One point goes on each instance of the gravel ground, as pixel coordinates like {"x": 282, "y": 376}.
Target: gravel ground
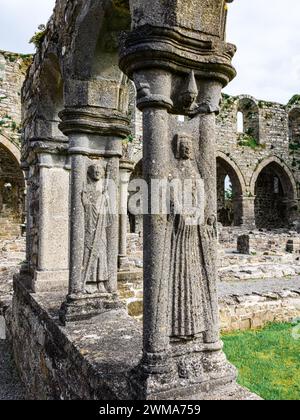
{"x": 248, "y": 287}
{"x": 10, "y": 384}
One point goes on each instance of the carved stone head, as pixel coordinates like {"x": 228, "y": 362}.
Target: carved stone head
{"x": 184, "y": 147}
{"x": 212, "y": 220}
{"x": 96, "y": 172}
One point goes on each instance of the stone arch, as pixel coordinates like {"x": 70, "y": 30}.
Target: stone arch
{"x": 248, "y": 107}
{"x": 12, "y": 187}
{"x": 294, "y": 126}
{"x": 11, "y": 148}
{"x": 230, "y": 210}
{"x": 94, "y": 22}
{"x": 50, "y": 98}
{"x": 275, "y": 191}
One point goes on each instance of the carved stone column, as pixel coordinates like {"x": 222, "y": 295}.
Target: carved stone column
{"x": 180, "y": 62}
{"x": 47, "y": 227}
{"x": 25, "y": 267}
{"x": 95, "y": 136}
{"x": 126, "y": 168}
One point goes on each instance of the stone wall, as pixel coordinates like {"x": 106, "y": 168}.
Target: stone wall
{"x": 256, "y": 311}
{"x": 268, "y": 144}
{"x": 268, "y": 242}
{"x": 84, "y": 361}
{"x": 13, "y": 69}
{"x": 236, "y": 312}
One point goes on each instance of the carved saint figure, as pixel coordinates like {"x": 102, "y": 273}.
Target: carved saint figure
{"x": 191, "y": 269}
{"x": 97, "y": 218}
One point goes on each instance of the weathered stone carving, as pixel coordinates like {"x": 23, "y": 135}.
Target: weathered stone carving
{"x": 182, "y": 349}
{"x": 95, "y": 134}
{"x": 95, "y": 200}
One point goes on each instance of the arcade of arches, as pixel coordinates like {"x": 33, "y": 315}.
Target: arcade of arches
{"x": 274, "y": 203}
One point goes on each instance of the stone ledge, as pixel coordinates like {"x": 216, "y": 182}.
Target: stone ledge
{"x": 88, "y": 360}
{"x": 85, "y": 360}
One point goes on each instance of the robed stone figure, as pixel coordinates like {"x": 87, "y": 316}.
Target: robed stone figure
{"x": 192, "y": 273}
{"x": 97, "y": 218}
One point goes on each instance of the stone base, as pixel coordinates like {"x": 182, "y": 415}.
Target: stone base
{"x": 48, "y": 281}
{"x": 83, "y": 307}
{"x": 123, "y": 263}
{"x": 194, "y": 368}
{"x": 130, "y": 276}
{"x": 87, "y": 360}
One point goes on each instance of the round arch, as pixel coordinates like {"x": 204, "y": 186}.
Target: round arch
{"x": 230, "y": 206}
{"x": 10, "y": 148}
{"x": 12, "y": 185}
{"x": 275, "y": 191}
{"x": 284, "y": 170}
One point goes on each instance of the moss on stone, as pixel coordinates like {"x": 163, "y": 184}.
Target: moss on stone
{"x": 247, "y": 140}
{"x": 295, "y": 100}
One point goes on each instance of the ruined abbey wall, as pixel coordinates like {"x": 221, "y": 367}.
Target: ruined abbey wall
{"x": 260, "y": 159}
{"x": 260, "y": 155}
{"x": 12, "y": 74}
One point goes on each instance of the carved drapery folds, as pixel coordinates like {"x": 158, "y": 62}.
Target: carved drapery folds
{"x": 180, "y": 68}
{"x": 95, "y": 129}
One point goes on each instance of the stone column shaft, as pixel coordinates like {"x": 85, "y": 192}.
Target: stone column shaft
{"x": 77, "y": 230}
{"x": 155, "y": 142}
{"x": 126, "y": 168}
{"x": 248, "y": 210}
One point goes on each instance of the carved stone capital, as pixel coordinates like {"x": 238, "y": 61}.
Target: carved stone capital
{"x": 38, "y": 146}
{"x": 126, "y": 165}
{"x": 94, "y": 121}
{"x": 177, "y": 52}
{"x": 176, "y": 71}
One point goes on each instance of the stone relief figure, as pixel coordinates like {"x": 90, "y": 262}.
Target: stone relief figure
{"x": 191, "y": 271}
{"x": 97, "y": 218}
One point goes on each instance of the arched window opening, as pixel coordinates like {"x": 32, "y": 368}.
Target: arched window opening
{"x": 294, "y": 126}
{"x": 276, "y": 185}
{"x": 229, "y": 192}
{"x": 11, "y": 195}
{"x": 248, "y": 121}
{"x": 240, "y": 122}
{"x": 274, "y": 193}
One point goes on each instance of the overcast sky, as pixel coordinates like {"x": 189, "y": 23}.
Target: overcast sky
{"x": 266, "y": 32}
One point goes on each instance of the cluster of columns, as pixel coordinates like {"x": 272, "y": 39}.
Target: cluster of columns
{"x": 176, "y": 72}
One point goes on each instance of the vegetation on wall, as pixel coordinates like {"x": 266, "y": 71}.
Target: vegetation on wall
{"x": 227, "y": 101}
{"x": 295, "y": 100}
{"x": 294, "y": 151}
{"x": 11, "y": 129}
{"x": 39, "y": 36}
{"x": 247, "y": 140}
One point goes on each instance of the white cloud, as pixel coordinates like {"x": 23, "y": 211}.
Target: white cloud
{"x": 19, "y": 20}
{"x": 266, "y": 32}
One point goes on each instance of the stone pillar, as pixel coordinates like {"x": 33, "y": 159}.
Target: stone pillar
{"x": 126, "y": 168}
{"x": 47, "y": 216}
{"x": 95, "y": 147}
{"x": 25, "y": 267}
{"x": 248, "y": 210}
{"x": 53, "y": 263}
{"x": 182, "y": 352}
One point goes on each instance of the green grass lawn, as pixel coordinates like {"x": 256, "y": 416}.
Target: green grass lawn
{"x": 268, "y": 361}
